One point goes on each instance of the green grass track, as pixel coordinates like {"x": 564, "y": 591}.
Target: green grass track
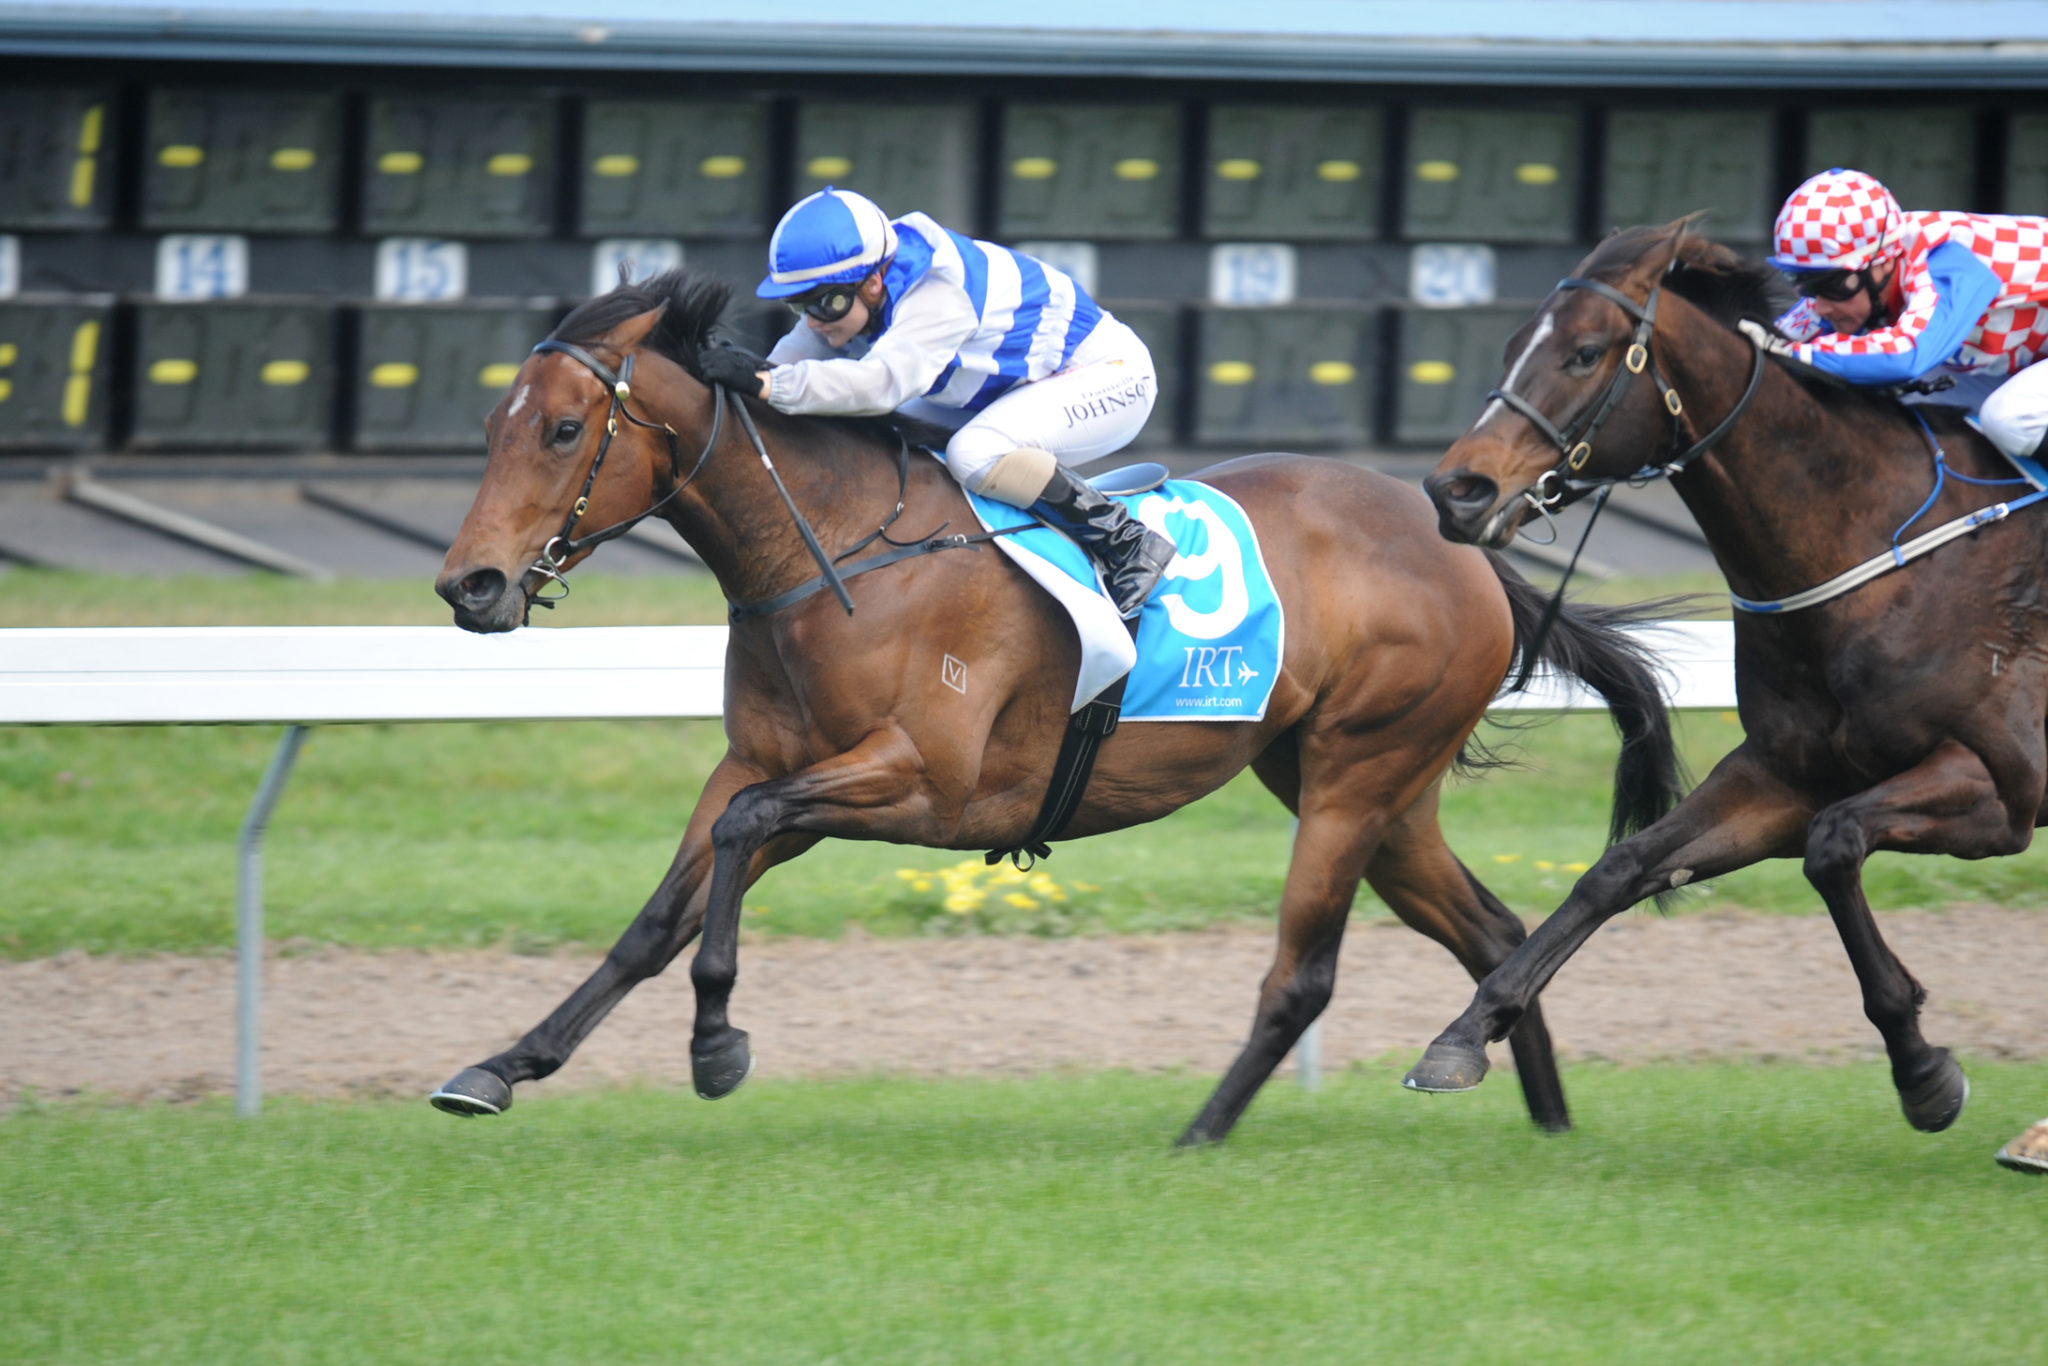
{"x": 1716, "y": 1214}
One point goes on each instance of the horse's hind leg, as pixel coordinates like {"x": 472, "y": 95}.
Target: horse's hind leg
{"x": 1336, "y": 835}
{"x": 1417, "y": 875}
{"x": 668, "y": 921}
{"x": 1948, "y": 804}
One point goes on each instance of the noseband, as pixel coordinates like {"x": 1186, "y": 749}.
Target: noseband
{"x": 1575, "y": 442}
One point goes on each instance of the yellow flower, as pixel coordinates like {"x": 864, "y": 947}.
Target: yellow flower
{"x": 1545, "y": 864}
{"x": 1023, "y": 902}
{"x": 1086, "y": 887}
{"x": 960, "y": 903}
{"x": 923, "y": 884}
{"x": 1506, "y": 858}
{"x": 909, "y": 874}
{"x": 1577, "y": 867}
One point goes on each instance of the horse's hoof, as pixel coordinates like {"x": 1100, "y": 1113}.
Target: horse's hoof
{"x": 2028, "y": 1153}
{"x": 1197, "y": 1138}
{"x": 718, "y": 1073}
{"x": 1933, "y": 1102}
{"x": 1447, "y": 1067}
{"x": 474, "y": 1092}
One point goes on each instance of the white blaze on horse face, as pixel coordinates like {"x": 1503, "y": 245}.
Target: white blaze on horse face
{"x": 519, "y": 400}
{"x": 1544, "y": 327}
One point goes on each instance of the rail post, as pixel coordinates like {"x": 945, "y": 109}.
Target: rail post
{"x": 249, "y": 925}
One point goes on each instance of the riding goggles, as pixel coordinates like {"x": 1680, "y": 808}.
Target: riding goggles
{"x": 1834, "y": 286}
{"x": 827, "y": 305}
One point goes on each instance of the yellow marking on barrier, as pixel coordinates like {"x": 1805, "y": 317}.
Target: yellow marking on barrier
{"x": 1436, "y": 172}
{"x": 1232, "y": 372}
{"x": 509, "y": 164}
{"x": 1238, "y": 168}
{"x": 394, "y": 374}
{"x": 1432, "y": 372}
{"x": 1135, "y": 168}
{"x": 90, "y": 129}
{"x": 616, "y": 165}
{"x": 1338, "y": 170}
{"x": 77, "y": 400}
{"x": 173, "y": 371}
{"x": 1034, "y": 168}
{"x": 498, "y": 376}
{"x": 81, "y": 183}
{"x": 1332, "y": 372}
{"x": 9, "y": 353}
{"x": 181, "y": 155}
{"x": 828, "y": 168}
{"x": 293, "y": 159}
{"x": 1536, "y": 173}
{"x": 401, "y": 163}
{"x": 85, "y": 346}
{"x": 724, "y": 167}
{"x": 282, "y": 373}
{"x": 6, "y": 390}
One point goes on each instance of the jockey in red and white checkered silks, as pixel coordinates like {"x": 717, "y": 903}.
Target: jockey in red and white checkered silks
{"x": 1892, "y": 295}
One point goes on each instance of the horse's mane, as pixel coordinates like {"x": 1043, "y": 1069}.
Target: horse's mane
{"x": 693, "y": 307}
{"x": 1730, "y": 288}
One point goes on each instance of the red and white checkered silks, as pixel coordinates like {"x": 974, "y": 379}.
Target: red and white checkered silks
{"x": 1838, "y": 220}
{"x": 2013, "y": 332}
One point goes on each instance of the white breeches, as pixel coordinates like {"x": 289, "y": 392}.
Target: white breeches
{"x": 2016, "y": 415}
{"x": 1096, "y": 405}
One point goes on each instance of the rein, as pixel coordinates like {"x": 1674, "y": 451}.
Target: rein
{"x": 1899, "y": 556}
{"x": 562, "y": 546}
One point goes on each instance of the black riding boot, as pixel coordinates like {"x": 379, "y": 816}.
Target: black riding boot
{"x": 1131, "y": 555}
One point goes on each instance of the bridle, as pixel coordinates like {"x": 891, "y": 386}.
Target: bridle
{"x": 564, "y": 545}
{"x": 1574, "y": 442}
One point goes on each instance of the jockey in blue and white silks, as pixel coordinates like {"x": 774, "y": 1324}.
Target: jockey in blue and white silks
{"x": 1030, "y": 374}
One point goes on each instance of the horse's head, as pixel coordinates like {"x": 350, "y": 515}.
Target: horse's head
{"x": 570, "y": 454}
{"x": 1570, "y": 406}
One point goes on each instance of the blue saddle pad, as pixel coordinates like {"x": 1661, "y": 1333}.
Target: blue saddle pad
{"x": 1211, "y": 636}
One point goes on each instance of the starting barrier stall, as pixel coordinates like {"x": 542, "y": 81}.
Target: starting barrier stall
{"x": 335, "y": 675}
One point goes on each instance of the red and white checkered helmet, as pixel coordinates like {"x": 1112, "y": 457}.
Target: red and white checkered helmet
{"x": 1838, "y": 220}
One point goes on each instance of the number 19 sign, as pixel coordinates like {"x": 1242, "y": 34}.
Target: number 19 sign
{"x": 421, "y": 270}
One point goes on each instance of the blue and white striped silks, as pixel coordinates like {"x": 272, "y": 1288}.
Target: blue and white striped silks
{"x": 1210, "y": 638}
{"x": 1032, "y": 315}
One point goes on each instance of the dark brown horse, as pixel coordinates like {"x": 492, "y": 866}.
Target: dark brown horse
{"x": 1906, "y": 714}
{"x": 840, "y": 725}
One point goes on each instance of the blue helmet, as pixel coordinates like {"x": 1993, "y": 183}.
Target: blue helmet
{"x": 831, "y": 237}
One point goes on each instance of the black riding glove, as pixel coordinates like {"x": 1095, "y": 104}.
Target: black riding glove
{"x": 727, "y": 363}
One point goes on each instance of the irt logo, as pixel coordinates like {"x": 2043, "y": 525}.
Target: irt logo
{"x": 1210, "y": 666}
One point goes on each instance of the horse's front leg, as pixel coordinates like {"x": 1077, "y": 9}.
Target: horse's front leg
{"x": 874, "y": 788}
{"x": 667, "y": 922}
{"x": 1948, "y": 804}
{"x": 1740, "y": 814}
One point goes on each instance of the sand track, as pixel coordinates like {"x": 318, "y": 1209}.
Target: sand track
{"x": 1718, "y": 984}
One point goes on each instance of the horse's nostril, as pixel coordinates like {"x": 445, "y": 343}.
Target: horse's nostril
{"x": 476, "y": 591}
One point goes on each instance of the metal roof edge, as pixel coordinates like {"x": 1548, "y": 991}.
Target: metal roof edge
{"x": 940, "y": 51}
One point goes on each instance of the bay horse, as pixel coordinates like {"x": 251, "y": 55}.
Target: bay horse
{"x": 845, "y": 725}
{"x": 1905, "y": 714}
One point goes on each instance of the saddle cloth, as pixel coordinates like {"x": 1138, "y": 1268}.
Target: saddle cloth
{"x": 1209, "y": 639}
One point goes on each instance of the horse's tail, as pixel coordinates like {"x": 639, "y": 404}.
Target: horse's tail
{"x": 1587, "y": 642}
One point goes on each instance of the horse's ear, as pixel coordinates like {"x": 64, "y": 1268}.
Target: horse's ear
{"x": 630, "y": 333}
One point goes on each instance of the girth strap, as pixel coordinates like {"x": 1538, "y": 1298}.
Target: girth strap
{"x": 1086, "y": 730}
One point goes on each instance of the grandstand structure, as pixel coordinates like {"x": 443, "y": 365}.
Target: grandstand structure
{"x": 335, "y": 227}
